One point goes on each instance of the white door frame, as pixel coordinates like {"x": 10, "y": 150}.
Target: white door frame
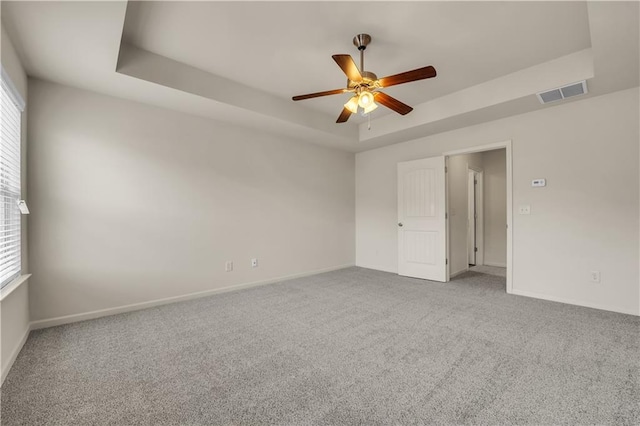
{"x": 489, "y": 147}
{"x": 479, "y": 207}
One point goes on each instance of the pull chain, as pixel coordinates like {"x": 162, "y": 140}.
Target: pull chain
{"x": 369, "y": 122}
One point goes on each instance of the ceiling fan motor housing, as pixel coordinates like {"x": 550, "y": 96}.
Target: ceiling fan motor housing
{"x": 368, "y": 80}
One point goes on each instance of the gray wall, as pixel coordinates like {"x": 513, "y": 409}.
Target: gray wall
{"x": 577, "y": 225}
{"x": 132, "y": 203}
{"x": 494, "y": 165}
{"x": 458, "y": 200}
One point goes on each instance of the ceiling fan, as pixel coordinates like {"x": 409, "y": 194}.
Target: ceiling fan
{"x": 366, "y": 86}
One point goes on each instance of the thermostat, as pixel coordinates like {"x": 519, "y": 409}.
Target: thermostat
{"x": 538, "y": 182}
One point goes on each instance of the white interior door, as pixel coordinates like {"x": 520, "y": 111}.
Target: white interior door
{"x": 422, "y": 227}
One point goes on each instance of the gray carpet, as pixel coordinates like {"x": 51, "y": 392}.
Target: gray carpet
{"x": 348, "y": 347}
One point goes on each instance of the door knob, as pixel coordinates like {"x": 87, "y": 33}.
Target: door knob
{"x": 400, "y": 224}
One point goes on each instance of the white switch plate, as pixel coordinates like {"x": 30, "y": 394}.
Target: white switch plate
{"x": 524, "y": 209}
{"x": 228, "y": 267}
{"x": 595, "y": 276}
{"x": 538, "y": 183}
{"x": 254, "y": 263}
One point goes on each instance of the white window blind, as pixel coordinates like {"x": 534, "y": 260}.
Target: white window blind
{"x": 11, "y": 110}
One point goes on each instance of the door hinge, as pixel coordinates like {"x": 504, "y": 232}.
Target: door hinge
{"x": 446, "y": 169}
{"x": 475, "y": 181}
{"x": 446, "y": 261}
{"x": 475, "y": 249}
{"x": 446, "y": 215}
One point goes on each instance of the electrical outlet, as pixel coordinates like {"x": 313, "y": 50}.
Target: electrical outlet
{"x": 524, "y": 209}
{"x": 254, "y": 263}
{"x": 228, "y": 266}
{"x": 595, "y": 276}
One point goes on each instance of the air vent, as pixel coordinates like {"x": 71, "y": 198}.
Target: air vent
{"x": 550, "y": 96}
{"x": 573, "y": 89}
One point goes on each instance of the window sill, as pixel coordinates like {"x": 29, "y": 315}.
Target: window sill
{"x": 9, "y": 288}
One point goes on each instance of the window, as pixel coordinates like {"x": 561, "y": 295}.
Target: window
{"x": 11, "y": 110}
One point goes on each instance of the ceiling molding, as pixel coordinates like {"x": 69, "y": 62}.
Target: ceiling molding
{"x": 568, "y": 69}
{"x": 148, "y": 66}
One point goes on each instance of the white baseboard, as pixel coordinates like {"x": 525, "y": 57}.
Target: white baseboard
{"x": 14, "y": 355}
{"x": 499, "y": 265}
{"x": 574, "y": 302}
{"x": 67, "y": 319}
{"x": 377, "y": 268}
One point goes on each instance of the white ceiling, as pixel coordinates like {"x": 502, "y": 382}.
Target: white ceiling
{"x": 285, "y": 48}
{"x": 240, "y": 62}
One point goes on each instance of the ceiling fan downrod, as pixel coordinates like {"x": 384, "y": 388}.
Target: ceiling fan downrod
{"x": 361, "y": 41}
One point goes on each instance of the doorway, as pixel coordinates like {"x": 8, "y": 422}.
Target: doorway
{"x": 478, "y": 225}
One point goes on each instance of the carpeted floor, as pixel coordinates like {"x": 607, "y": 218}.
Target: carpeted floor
{"x": 348, "y": 347}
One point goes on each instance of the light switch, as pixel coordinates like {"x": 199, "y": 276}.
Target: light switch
{"x": 524, "y": 209}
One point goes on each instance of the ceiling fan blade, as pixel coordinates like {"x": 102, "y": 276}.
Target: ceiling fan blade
{"x": 344, "y": 116}
{"x": 345, "y": 62}
{"x": 318, "y": 94}
{"x": 406, "y": 77}
{"x": 392, "y": 103}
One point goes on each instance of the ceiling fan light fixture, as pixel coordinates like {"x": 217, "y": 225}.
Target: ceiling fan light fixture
{"x": 370, "y": 108}
{"x": 365, "y": 99}
{"x": 352, "y": 105}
